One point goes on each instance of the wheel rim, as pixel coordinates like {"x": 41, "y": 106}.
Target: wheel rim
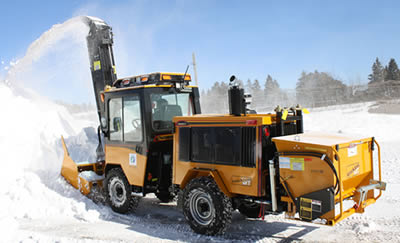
{"x": 201, "y": 207}
{"x": 117, "y": 191}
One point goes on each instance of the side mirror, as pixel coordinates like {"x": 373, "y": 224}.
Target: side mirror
{"x": 103, "y": 122}
{"x": 117, "y": 124}
{"x": 103, "y": 125}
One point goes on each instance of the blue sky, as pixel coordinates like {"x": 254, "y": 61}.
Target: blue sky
{"x": 247, "y": 38}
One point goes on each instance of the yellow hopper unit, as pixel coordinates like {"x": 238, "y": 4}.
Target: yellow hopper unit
{"x": 81, "y": 175}
{"x": 320, "y": 171}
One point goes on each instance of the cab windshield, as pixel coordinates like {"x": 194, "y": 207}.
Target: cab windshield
{"x": 167, "y": 106}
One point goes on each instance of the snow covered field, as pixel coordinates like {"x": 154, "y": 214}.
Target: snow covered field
{"x": 37, "y": 205}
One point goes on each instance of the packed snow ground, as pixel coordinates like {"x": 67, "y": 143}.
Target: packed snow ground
{"x": 37, "y": 205}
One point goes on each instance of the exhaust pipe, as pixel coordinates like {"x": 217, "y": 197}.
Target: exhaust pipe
{"x": 237, "y": 102}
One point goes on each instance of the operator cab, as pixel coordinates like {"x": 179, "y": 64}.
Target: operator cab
{"x": 140, "y": 110}
{"x": 146, "y": 104}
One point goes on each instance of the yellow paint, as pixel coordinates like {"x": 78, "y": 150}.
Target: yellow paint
{"x": 266, "y": 120}
{"x": 120, "y": 156}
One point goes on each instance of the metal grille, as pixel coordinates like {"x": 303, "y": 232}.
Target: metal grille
{"x": 248, "y": 147}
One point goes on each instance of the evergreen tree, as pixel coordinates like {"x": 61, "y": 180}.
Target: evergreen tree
{"x": 272, "y": 92}
{"x": 378, "y": 72}
{"x": 319, "y": 89}
{"x": 392, "y": 71}
{"x": 249, "y": 86}
{"x": 256, "y": 85}
{"x": 267, "y": 83}
{"x": 257, "y": 94}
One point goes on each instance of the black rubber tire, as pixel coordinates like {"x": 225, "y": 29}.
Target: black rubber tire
{"x": 179, "y": 200}
{"x": 97, "y": 195}
{"x": 250, "y": 210}
{"x": 165, "y": 197}
{"x": 119, "y": 191}
{"x": 207, "y": 209}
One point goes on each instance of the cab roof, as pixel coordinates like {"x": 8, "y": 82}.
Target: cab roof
{"x": 158, "y": 78}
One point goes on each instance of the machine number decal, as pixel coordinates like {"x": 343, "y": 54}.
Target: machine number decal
{"x": 132, "y": 159}
{"x": 284, "y": 162}
{"x": 241, "y": 180}
{"x": 352, "y": 151}
{"x": 297, "y": 164}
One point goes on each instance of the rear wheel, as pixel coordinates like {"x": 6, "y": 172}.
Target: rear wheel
{"x": 119, "y": 192}
{"x": 207, "y": 209}
{"x": 249, "y": 209}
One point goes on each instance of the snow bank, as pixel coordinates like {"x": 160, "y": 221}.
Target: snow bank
{"x": 30, "y": 148}
{"x": 32, "y": 157}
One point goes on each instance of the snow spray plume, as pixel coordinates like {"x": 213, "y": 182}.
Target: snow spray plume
{"x": 55, "y": 63}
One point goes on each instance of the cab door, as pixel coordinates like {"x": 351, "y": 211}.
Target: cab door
{"x": 125, "y": 142}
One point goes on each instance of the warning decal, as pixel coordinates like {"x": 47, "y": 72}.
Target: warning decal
{"x": 352, "y": 151}
{"x": 96, "y": 65}
{"x": 284, "y": 162}
{"x": 297, "y": 164}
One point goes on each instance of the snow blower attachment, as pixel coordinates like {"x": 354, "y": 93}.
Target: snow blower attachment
{"x": 157, "y": 141}
{"x": 81, "y": 175}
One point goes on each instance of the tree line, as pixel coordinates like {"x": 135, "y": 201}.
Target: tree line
{"x": 313, "y": 89}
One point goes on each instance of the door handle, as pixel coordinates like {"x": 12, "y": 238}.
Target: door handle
{"x": 139, "y": 149}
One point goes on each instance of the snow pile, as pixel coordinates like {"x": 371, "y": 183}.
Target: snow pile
{"x": 32, "y": 157}
{"x": 30, "y": 148}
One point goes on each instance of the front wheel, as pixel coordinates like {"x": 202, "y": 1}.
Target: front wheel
{"x": 119, "y": 192}
{"x": 206, "y": 208}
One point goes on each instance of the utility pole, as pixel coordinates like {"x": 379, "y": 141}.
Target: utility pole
{"x": 194, "y": 69}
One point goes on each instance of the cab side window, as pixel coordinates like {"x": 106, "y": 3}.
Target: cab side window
{"x": 125, "y": 119}
{"x": 132, "y": 119}
{"x": 115, "y": 108}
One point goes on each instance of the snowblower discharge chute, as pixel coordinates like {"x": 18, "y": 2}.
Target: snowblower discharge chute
{"x": 154, "y": 139}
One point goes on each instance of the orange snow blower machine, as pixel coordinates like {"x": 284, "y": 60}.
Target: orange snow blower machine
{"x": 154, "y": 139}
